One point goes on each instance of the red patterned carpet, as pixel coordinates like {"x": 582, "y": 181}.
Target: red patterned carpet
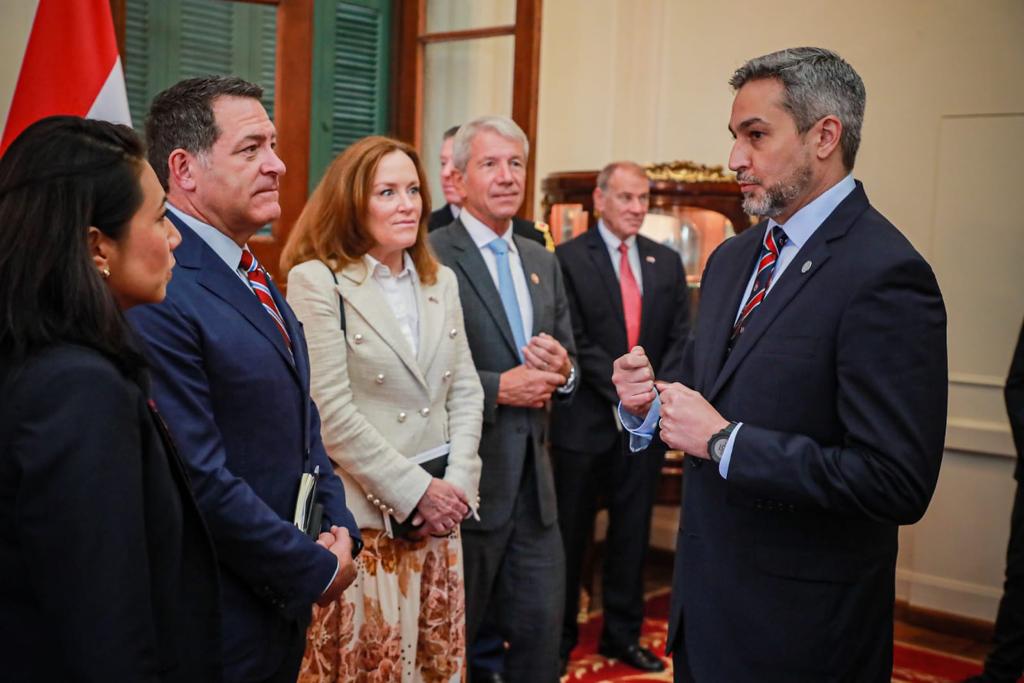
{"x": 912, "y": 664}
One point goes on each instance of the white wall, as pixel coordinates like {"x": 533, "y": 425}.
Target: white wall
{"x": 943, "y": 136}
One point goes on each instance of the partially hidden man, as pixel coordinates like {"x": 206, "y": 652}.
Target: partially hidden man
{"x": 231, "y": 377}
{"x": 812, "y": 403}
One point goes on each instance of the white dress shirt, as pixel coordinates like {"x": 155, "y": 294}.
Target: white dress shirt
{"x": 633, "y": 254}
{"x": 401, "y": 293}
{"x": 482, "y": 236}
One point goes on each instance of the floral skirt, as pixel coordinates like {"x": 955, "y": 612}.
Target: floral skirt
{"x": 403, "y": 620}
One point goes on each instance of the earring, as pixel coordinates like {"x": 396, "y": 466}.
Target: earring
{"x": 105, "y": 272}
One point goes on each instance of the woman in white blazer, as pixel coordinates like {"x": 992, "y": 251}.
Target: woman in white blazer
{"x": 395, "y": 384}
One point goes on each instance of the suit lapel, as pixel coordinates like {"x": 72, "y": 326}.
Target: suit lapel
{"x": 597, "y": 251}
{"x": 367, "y": 299}
{"x": 432, "y": 311}
{"x": 472, "y": 265}
{"x": 533, "y": 283}
{"x": 649, "y": 278}
{"x": 725, "y": 310}
{"x": 217, "y": 277}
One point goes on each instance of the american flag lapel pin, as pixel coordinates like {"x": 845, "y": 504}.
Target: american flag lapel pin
{"x": 534, "y": 278}
{"x": 649, "y": 259}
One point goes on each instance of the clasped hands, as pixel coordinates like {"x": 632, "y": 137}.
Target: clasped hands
{"x": 546, "y": 366}
{"x": 339, "y": 543}
{"x": 442, "y": 507}
{"x": 687, "y": 419}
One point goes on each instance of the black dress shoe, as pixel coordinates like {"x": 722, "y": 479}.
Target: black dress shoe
{"x": 485, "y": 676}
{"x": 636, "y": 657}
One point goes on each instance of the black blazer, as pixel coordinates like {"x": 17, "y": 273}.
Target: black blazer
{"x": 520, "y": 226}
{"x": 785, "y": 571}
{"x": 108, "y": 570}
{"x": 599, "y": 328}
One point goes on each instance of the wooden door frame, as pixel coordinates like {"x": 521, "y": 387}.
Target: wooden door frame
{"x": 411, "y": 38}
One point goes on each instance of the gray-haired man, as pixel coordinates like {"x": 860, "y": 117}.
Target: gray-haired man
{"x": 520, "y": 334}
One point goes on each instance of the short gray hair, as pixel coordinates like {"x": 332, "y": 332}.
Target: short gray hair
{"x": 816, "y": 83}
{"x": 502, "y": 125}
{"x": 628, "y": 166}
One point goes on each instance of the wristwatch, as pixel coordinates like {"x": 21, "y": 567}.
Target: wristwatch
{"x": 718, "y": 441}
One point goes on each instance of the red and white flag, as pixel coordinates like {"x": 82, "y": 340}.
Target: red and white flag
{"x": 71, "y": 66}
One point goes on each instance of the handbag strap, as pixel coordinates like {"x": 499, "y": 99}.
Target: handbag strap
{"x": 341, "y": 302}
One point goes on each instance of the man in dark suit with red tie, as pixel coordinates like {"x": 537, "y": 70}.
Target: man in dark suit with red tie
{"x": 623, "y": 290}
{"x": 812, "y": 402}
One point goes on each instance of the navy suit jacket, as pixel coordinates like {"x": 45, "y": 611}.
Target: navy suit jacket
{"x": 240, "y": 412}
{"x": 785, "y": 570}
{"x": 588, "y": 424}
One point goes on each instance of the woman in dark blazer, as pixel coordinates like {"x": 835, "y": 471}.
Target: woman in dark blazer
{"x": 108, "y": 571}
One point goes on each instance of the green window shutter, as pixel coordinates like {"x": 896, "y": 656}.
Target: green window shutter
{"x": 350, "y": 77}
{"x": 168, "y": 40}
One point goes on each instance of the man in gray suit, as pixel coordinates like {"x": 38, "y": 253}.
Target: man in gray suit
{"x": 510, "y": 287}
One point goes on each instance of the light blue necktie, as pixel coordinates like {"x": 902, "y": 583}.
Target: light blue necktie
{"x": 507, "y": 289}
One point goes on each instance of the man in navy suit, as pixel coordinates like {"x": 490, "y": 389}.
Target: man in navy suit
{"x": 231, "y": 377}
{"x": 623, "y": 289}
{"x": 812, "y": 402}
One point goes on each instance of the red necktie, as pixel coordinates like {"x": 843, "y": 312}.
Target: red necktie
{"x": 258, "y": 279}
{"x": 632, "y": 302}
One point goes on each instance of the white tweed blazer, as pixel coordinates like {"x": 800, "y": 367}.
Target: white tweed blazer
{"x": 379, "y": 403}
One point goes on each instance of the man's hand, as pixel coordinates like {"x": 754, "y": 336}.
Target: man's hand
{"x": 341, "y": 547}
{"x": 527, "y": 387}
{"x": 687, "y": 420}
{"x": 544, "y": 352}
{"x": 633, "y": 378}
{"x": 442, "y": 507}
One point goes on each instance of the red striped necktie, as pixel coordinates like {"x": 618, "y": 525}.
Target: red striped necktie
{"x": 258, "y": 279}
{"x": 774, "y": 240}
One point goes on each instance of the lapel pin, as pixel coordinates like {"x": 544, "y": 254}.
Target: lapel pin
{"x": 534, "y": 278}
{"x": 649, "y": 259}
{"x": 432, "y": 299}
{"x": 806, "y": 267}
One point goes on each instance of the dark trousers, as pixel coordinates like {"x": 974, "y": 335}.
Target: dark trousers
{"x": 515, "y": 579}
{"x": 1006, "y": 660}
{"x": 627, "y": 481}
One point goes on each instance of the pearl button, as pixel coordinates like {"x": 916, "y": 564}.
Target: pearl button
{"x": 376, "y": 501}
{"x": 452, "y": 332}
{"x": 358, "y": 339}
{"x": 379, "y": 379}
{"x": 401, "y": 417}
{"x": 424, "y": 411}
{"x": 391, "y": 511}
{"x": 447, "y": 375}
{"x": 369, "y": 496}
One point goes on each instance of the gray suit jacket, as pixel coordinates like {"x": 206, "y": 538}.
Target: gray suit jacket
{"x": 508, "y": 430}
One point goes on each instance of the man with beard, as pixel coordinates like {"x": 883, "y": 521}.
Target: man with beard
{"x": 811, "y": 404}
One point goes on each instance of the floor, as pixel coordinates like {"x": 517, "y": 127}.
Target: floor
{"x": 658, "y": 574}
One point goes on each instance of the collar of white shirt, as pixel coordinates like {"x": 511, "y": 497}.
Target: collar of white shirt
{"x": 802, "y": 224}
{"x": 380, "y": 271}
{"x": 222, "y": 245}
{"x": 611, "y": 240}
{"x": 483, "y": 235}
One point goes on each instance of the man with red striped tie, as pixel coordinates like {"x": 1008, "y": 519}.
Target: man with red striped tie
{"x": 231, "y": 377}
{"x": 811, "y": 405}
